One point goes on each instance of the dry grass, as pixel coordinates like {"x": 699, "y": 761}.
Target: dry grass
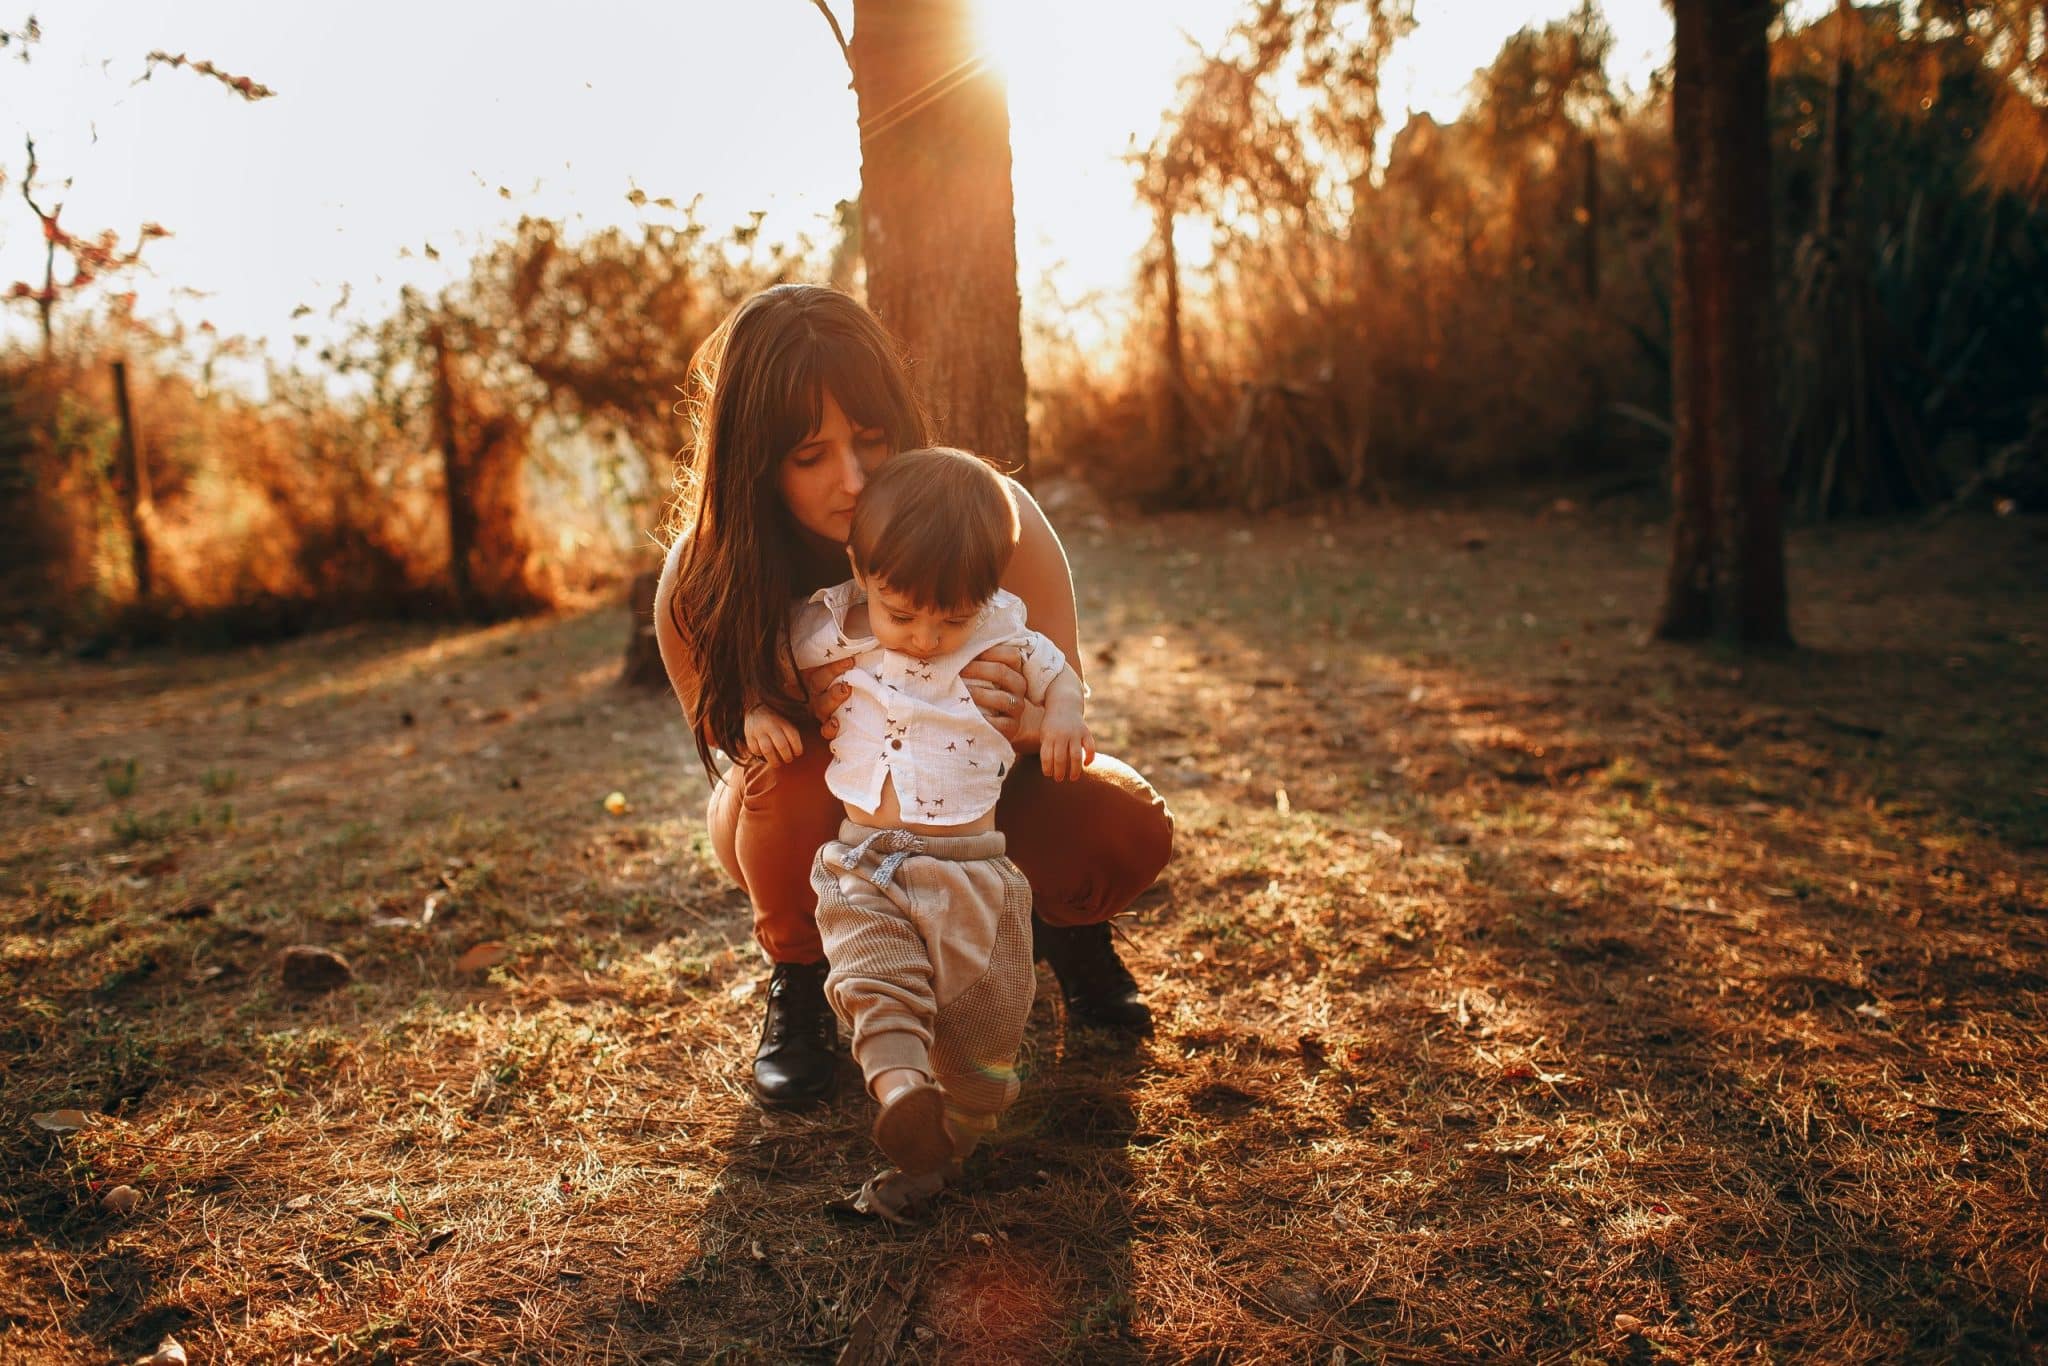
{"x": 1581, "y": 998}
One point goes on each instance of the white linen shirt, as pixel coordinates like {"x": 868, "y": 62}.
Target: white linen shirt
{"x": 913, "y": 720}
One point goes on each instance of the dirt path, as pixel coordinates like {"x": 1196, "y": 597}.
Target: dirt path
{"x": 1524, "y": 989}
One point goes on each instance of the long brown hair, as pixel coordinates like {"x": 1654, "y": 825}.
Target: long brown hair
{"x": 757, "y": 389}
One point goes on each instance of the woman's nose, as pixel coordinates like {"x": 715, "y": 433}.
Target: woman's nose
{"x": 850, "y": 472}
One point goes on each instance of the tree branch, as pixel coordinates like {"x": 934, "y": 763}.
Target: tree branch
{"x": 838, "y": 34}
{"x": 28, "y": 190}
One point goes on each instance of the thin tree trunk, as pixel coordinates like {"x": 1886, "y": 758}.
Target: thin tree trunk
{"x": 938, "y": 222}
{"x": 1727, "y": 574}
{"x": 455, "y": 473}
{"x": 1174, "y": 401}
{"x": 1834, "y": 176}
{"x": 1589, "y": 201}
{"x": 47, "y": 300}
{"x": 643, "y": 667}
{"x": 136, "y": 504}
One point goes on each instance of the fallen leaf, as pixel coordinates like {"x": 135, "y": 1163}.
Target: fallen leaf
{"x": 616, "y": 804}
{"x": 740, "y": 991}
{"x": 167, "y": 1353}
{"x": 488, "y": 954}
{"x": 122, "y": 1200}
{"x": 59, "y": 1121}
{"x": 299, "y": 1201}
{"x": 1280, "y": 802}
{"x": 1628, "y": 1323}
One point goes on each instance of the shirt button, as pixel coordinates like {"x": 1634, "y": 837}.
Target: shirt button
{"x": 895, "y": 744}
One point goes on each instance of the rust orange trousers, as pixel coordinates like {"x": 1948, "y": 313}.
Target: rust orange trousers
{"x": 1088, "y": 848}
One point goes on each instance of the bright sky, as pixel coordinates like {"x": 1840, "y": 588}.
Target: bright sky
{"x": 397, "y": 124}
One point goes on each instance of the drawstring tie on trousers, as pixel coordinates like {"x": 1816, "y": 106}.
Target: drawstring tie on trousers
{"x": 895, "y": 846}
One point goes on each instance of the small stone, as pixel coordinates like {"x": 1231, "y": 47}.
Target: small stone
{"x": 169, "y": 1352}
{"x": 307, "y": 967}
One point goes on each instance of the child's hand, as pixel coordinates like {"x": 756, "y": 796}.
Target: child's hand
{"x": 770, "y": 737}
{"x": 1065, "y": 748}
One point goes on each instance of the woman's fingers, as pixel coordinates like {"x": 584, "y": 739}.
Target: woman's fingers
{"x": 822, "y": 692}
{"x": 825, "y": 705}
{"x": 997, "y": 672}
{"x": 816, "y": 679}
{"x": 994, "y": 699}
{"x": 1003, "y": 709}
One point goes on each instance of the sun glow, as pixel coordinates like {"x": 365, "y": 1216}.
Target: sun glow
{"x": 482, "y": 124}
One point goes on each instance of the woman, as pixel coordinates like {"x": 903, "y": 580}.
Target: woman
{"x": 795, "y": 398}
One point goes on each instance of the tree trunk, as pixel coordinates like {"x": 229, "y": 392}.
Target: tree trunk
{"x": 47, "y": 300}
{"x": 1727, "y": 575}
{"x": 1589, "y": 203}
{"x": 643, "y": 666}
{"x": 1173, "y": 426}
{"x": 458, "y": 496}
{"x": 136, "y": 504}
{"x": 938, "y": 225}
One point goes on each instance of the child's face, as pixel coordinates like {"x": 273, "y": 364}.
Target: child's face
{"x": 900, "y": 623}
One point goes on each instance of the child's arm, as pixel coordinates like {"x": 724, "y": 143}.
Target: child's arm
{"x": 1066, "y": 746}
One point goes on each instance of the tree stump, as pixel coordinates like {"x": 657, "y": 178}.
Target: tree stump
{"x": 643, "y": 657}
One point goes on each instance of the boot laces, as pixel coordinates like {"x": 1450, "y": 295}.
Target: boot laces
{"x": 792, "y": 1007}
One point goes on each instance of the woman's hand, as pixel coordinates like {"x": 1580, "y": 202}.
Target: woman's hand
{"x": 995, "y": 680}
{"x": 771, "y": 738}
{"x": 826, "y": 693}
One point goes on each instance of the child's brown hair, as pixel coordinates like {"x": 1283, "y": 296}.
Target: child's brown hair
{"x": 937, "y": 525}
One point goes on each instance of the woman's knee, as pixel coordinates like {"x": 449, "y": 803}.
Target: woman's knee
{"x": 1089, "y": 848}
{"x": 722, "y": 823}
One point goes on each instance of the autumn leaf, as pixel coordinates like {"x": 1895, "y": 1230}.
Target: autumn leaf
{"x": 60, "y": 1121}
{"x": 488, "y": 954}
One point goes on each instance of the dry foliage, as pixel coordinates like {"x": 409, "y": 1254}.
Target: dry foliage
{"x": 1525, "y": 992}
{"x": 266, "y": 518}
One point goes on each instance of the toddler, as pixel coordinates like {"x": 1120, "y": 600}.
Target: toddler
{"x": 927, "y": 926}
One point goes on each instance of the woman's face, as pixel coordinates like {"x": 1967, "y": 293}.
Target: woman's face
{"x": 823, "y": 475}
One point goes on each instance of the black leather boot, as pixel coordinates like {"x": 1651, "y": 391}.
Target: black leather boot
{"x": 1099, "y": 990}
{"x": 798, "y": 1059}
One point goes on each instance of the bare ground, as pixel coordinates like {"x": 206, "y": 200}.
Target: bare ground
{"x": 1525, "y": 991}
